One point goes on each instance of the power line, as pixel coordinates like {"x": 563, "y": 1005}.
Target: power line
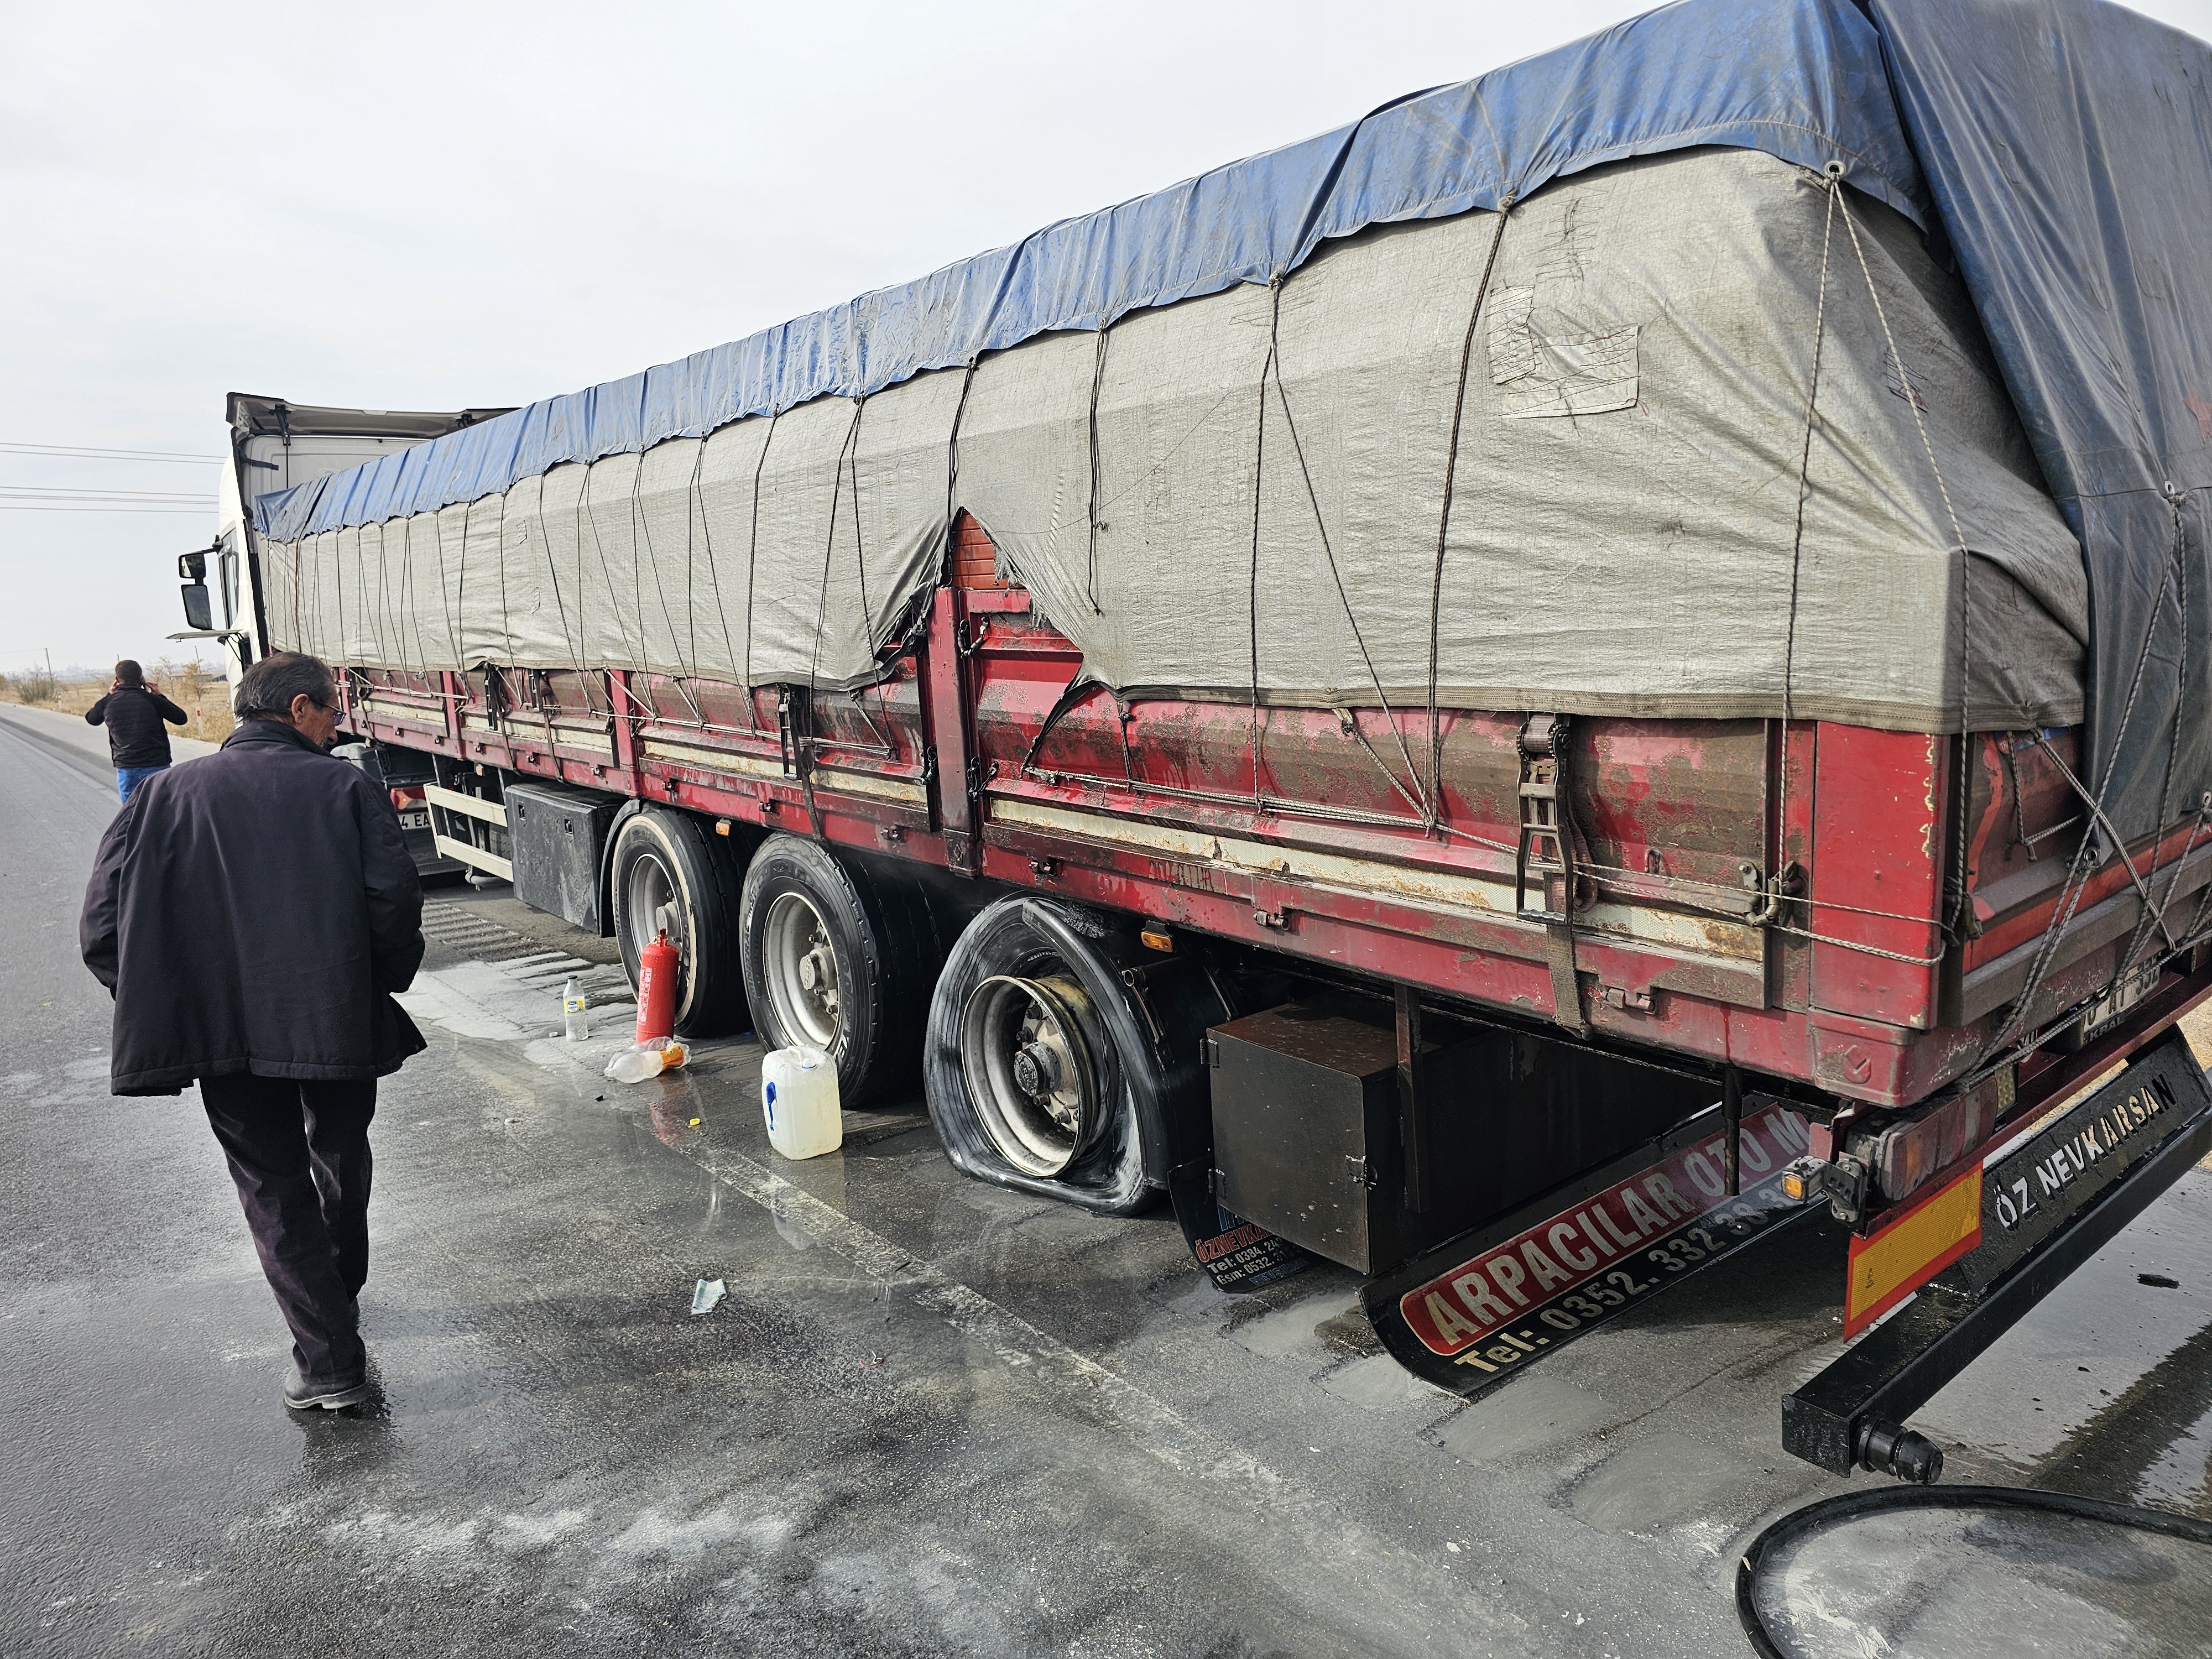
{"x": 35, "y": 507}
{"x": 83, "y": 451}
{"x": 57, "y": 492}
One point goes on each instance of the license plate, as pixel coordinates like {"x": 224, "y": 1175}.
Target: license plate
{"x": 415, "y": 820}
{"x": 2104, "y": 1013}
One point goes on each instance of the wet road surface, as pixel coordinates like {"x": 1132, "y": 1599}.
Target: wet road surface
{"x": 930, "y": 1417}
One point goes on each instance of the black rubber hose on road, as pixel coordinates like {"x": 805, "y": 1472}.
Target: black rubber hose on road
{"x": 1881, "y": 1500}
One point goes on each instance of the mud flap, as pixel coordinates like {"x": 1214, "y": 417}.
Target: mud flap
{"x": 1238, "y": 1254}
{"x": 1473, "y": 1312}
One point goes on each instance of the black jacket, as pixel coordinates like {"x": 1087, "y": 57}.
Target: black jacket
{"x": 254, "y": 911}
{"x": 133, "y": 717}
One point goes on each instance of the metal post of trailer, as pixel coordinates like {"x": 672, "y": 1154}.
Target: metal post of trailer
{"x": 1412, "y": 1129}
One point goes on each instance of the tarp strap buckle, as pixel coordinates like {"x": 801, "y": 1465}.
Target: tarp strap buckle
{"x": 1544, "y": 864}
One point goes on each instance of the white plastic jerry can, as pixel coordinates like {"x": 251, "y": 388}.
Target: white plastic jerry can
{"x": 799, "y": 1098}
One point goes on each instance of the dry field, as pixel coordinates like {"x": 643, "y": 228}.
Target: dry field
{"x": 202, "y": 695}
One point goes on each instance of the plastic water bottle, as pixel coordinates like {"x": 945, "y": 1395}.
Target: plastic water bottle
{"x": 643, "y": 1059}
{"x": 798, "y": 1098}
{"x": 572, "y": 1012}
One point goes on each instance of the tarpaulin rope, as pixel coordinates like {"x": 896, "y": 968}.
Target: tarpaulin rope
{"x": 952, "y": 459}
{"x": 2173, "y": 499}
{"x": 461, "y": 593}
{"x": 713, "y": 568}
{"x": 752, "y": 566}
{"x": 830, "y": 544}
{"x": 1098, "y": 378}
{"x": 642, "y": 523}
{"x": 1832, "y": 188}
{"x": 1252, "y": 576}
{"x": 640, "y": 551}
{"x": 585, "y": 516}
{"x": 1435, "y": 789}
{"x": 572, "y": 644}
{"x": 1328, "y": 552}
{"x": 376, "y": 612}
{"x": 2078, "y": 869}
{"x": 506, "y": 611}
{"x": 446, "y": 588}
{"x": 860, "y": 536}
{"x": 1962, "y": 901}
{"x": 583, "y": 621}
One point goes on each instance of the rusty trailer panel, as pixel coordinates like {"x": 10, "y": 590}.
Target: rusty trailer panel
{"x": 1774, "y": 896}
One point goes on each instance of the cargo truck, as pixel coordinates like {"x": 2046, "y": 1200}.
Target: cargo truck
{"x": 1513, "y": 696}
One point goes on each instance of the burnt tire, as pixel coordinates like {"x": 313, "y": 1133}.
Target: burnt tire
{"x": 838, "y": 956}
{"x": 667, "y": 870}
{"x": 1037, "y": 997}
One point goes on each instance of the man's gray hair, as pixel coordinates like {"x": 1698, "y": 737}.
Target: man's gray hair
{"x": 266, "y": 691}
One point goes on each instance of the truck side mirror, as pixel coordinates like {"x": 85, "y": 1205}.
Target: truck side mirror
{"x": 191, "y": 571}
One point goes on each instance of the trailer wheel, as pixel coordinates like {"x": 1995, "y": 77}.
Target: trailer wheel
{"x": 1043, "y": 1074}
{"x": 665, "y": 873}
{"x": 838, "y": 958}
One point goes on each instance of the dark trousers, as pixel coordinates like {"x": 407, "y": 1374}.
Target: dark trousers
{"x": 299, "y": 1153}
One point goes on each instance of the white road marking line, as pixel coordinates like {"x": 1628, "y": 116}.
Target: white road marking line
{"x": 1146, "y": 1422}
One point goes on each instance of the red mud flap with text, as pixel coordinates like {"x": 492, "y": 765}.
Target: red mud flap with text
{"x": 1471, "y": 1313}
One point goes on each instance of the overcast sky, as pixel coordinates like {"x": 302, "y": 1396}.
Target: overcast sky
{"x": 430, "y": 206}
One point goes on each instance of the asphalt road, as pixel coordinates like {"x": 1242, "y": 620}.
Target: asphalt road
{"x": 930, "y": 1417}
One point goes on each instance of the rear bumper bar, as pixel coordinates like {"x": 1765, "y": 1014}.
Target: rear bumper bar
{"x": 2049, "y": 1201}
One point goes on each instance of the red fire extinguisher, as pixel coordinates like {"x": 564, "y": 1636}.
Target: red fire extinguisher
{"x": 656, "y": 990}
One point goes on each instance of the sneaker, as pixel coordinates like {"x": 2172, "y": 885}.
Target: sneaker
{"x": 301, "y": 1395}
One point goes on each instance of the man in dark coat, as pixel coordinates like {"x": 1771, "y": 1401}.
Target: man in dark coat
{"x": 132, "y": 711}
{"x": 252, "y": 914}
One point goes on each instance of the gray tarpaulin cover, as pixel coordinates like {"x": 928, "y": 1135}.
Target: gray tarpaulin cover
{"x": 1240, "y": 484}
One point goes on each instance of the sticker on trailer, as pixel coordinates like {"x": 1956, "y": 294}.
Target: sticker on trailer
{"x": 1480, "y": 1308}
{"x": 1903, "y": 1254}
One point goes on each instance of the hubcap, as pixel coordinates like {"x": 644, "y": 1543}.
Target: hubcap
{"x": 1027, "y": 1061}
{"x": 651, "y": 906}
{"x": 800, "y": 968}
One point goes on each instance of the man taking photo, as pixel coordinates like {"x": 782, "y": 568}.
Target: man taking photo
{"x": 132, "y": 711}
{"x": 253, "y": 916}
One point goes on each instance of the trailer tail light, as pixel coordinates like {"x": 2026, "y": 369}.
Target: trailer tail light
{"x": 1906, "y": 1157}
{"x": 406, "y": 796}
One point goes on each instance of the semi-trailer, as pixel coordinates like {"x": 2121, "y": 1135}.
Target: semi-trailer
{"x": 1510, "y": 696}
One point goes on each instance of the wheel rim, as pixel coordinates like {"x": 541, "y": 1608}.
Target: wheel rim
{"x": 800, "y": 966}
{"x": 1027, "y": 1061}
{"x": 652, "y": 905}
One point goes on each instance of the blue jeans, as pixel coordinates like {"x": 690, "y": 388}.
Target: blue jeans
{"x": 128, "y": 778}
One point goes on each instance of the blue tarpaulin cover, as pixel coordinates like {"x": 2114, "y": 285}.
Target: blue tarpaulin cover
{"x": 1802, "y": 81}
{"x": 2061, "y": 150}
{"x": 2067, "y": 148}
